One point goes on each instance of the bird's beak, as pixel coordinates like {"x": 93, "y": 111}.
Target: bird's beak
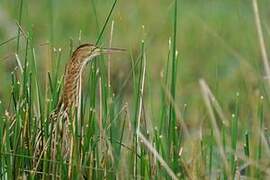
{"x": 110, "y": 50}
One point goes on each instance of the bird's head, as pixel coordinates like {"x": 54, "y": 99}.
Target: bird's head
{"x": 85, "y": 52}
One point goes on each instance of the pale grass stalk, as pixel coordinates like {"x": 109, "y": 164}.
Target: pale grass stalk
{"x": 21, "y": 30}
{"x": 124, "y": 155}
{"x": 109, "y": 92}
{"x": 47, "y": 81}
{"x": 261, "y": 39}
{"x": 90, "y": 174}
{"x": 123, "y": 109}
{"x": 265, "y": 144}
{"x": 36, "y": 107}
{"x": 109, "y": 56}
{"x": 141, "y": 90}
{"x": 141, "y": 93}
{"x": 104, "y": 146}
{"x": 207, "y": 100}
{"x": 19, "y": 63}
{"x": 54, "y": 143}
{"x": 156, "y": 155}
{"x": 101, "y": 130}
{"x": 216, "y": 105}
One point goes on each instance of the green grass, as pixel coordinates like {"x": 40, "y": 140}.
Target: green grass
{"x": 195, "y": 108}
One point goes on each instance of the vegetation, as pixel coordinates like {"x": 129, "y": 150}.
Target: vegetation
{"x": 187, "y": 101}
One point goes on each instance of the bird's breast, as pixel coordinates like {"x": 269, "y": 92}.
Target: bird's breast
{"x": 71, "y": 86}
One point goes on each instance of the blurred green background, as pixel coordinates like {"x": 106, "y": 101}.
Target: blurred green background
{"x": 216, "y": 40}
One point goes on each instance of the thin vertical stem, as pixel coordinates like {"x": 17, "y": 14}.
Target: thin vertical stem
{"x": 20, "y": 21}
{"x": 109, "y": 83}
{"x": 172, "y": 115}
{"x": 261, "y": 39}
{"x": 106, "y": 22}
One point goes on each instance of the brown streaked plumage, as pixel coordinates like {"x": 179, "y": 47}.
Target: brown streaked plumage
{"x": 69, "y": 98}
{"x": 80, "y": 57}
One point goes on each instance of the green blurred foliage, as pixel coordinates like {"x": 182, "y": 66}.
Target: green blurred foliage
{"x": 217, "y": 40}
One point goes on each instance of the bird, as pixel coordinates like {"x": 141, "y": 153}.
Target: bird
{"x": 70, "y": 99}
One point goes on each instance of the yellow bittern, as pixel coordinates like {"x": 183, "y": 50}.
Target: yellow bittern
{"x": 70, "y": 96}
{"x": 80, "y": 57}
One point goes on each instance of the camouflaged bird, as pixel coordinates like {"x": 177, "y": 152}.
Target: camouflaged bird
{"x": 59, "y": 119}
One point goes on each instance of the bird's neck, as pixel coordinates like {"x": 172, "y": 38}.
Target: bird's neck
{"x": 71, "y": 88}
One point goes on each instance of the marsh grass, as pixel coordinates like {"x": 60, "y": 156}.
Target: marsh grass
{"x": 113, "y": 138}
